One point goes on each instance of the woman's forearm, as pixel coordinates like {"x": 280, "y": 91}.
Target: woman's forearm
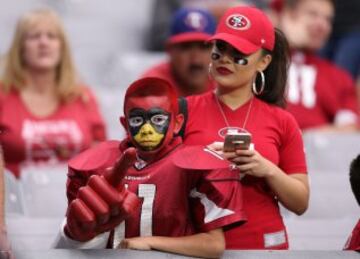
{"x": 291, "y": 190}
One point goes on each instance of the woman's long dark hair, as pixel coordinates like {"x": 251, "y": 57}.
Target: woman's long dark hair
{"x": 276, "y": 72}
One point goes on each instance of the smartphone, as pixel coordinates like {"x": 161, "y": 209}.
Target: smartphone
{"x": 237, "y": 140}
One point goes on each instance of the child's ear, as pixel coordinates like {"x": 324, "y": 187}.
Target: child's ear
{"x": 179, "y": 121}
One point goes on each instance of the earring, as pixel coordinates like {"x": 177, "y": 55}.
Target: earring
{"x": 209, "y": 69}
{"x": 262, "y": 86}
{"x": 209, "y": 72}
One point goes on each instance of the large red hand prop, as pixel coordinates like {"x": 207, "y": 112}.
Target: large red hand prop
{"x": 103, "y": 203}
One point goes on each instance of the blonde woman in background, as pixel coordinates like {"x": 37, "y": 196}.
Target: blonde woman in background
{"x": 46, "y": 115}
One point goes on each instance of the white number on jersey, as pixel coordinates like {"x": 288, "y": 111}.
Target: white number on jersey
{"x": 147, "y": 192}
{"x": 301, "y": 85}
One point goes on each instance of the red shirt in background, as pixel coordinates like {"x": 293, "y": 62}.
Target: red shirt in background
{"x": 320, "y": 93}
{"x": 28, "y": 140}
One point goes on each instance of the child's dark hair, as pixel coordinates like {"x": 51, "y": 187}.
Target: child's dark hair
{"x": 276, "y": 72}
{"x": 355, "y": 178}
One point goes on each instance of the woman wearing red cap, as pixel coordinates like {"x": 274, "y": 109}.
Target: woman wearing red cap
{"x": 249, "y": 64}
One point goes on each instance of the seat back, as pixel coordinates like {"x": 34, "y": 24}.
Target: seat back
{"x": 14, "y": 201}
{"x": 44, "y": 190}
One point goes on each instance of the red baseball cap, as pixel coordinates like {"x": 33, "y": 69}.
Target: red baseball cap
{"x": 247, "y": 29}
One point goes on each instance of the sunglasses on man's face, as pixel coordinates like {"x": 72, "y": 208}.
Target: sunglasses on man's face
{"x": 221, "y": 48}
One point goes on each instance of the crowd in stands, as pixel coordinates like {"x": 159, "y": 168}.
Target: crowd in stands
{"x": 271, "y": 70}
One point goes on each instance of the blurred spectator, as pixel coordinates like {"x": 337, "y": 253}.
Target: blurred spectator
{"x": 45, "y": 115}
{"x": 189, "y": 54}
{"x": 353, "y": 242}
{"x": 320, "y": 94}
{"x": 5, "y": 250}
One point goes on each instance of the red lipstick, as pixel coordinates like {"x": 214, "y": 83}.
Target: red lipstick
{"x": 223, "y": 71}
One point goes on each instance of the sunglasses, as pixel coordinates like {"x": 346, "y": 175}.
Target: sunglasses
{"x": 221, "y": 48}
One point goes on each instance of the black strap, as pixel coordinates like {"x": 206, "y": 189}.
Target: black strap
{"x": 184, "y": 110}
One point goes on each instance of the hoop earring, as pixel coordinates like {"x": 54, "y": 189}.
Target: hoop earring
{"x": 209, "y": 71}
{"x": 262, "y": 86}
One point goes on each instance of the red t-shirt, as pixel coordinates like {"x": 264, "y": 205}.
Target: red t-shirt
{"x": 175, "y": 201}
{"x": 353, "y": 242}
{"x": 277, "y": 137}
{"x": 28, "y": 140}
{"x": 163, "y": 70}
{"x": 320, "y": 93}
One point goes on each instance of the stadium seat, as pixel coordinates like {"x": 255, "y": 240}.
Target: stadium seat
{"x": 44, "y": 190}
{"x": 14, "y": 202}
{"x": 331, "y": 151}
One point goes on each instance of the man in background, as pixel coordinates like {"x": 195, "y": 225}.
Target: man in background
{"x": 188, "y": 52}
{"x": 320, "y": 95}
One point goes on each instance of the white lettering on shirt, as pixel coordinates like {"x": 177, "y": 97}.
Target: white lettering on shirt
{"x": 51, "y": 140}
{"x": 301, "y": 85}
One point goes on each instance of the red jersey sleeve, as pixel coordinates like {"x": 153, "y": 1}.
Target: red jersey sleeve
{"x": 217, "y": 200}
{"x": 291, "y": 152}
{"x": 341, "y": 104}
{"x": 347, "y": 91}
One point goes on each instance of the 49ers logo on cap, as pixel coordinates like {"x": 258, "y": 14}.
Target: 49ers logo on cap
{"x": 238, "y": 22}
{"x": 196, "y": 21}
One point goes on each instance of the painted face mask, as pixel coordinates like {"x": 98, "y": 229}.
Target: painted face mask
{"x": 148, "y": 127}
{"x": 150, "y": 106}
